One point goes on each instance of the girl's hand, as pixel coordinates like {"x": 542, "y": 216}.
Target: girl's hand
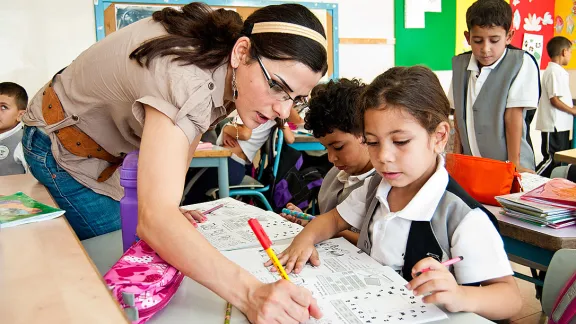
{"x": 296, "y": 256}
{"x": 293, "y": 219}
{"x": 229, "y": 141}
{"x": 193, "y": 216}
{"x": 438, "y": 284}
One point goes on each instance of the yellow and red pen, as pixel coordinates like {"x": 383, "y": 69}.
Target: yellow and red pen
{"x": 266, "y": 245}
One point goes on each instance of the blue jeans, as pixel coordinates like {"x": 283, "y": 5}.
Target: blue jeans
{"x": 89, "y": 213}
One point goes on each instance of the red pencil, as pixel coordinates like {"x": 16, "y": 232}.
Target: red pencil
{"x": 445, "y": 263}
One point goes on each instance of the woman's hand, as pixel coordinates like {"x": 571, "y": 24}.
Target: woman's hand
{"x": 293, "y": 219}
{"x": 193, "y": 216}
{"x": 281, "y": 302}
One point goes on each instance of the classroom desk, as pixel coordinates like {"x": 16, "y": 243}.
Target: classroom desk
{"x": 531, "y": 245}
{"x": 567, "y": 156}
{"x": 215, "y": 157}
{"x": 304, "y": 142}
{"x": 45, "y": 275}
{"x": 194, "y": 303}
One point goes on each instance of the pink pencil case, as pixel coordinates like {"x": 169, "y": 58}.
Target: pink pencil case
{"x": 142, "y": 282}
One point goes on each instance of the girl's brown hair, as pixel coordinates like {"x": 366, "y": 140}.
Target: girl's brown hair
{"x": 205, "y": 37}
{"x": 415, "y": 89}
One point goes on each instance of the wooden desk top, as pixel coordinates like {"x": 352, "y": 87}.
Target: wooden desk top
{"x": 45, "y": 274}
{"x": 214, "y": 152}
{"x": 568, "y": 156}
{"x": 543, "y": 237}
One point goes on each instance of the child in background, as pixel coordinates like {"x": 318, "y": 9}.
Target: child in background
{"x": 332, "y": 119}
{"x": 244, "y": 143}
{"x": 13, "y": 102}
{"x": 555, "y": 112}
{"x": 492, "y": 87}
{"x": 412, "y": 215}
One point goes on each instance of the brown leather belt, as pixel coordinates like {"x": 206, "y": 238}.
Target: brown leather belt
{"x": 72, "y": 138}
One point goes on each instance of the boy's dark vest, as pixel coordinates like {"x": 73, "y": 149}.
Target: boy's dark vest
{"x": 489, "y": 107}
{"x": 8, "y": 165}
{"x": 426, "y": 238}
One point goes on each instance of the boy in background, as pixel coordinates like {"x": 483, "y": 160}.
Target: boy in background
{"x": 554, "y": 117}
{"x": 13, "y": 102}
{"x": 491, "y": 88}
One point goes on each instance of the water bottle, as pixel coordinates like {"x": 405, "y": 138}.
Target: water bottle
{"x": 129, "y": 203}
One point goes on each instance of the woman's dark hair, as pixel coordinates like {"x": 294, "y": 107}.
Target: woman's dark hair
{"x": 415, "y": 89}
{"x": 204, "y": 37}
{"x": 334, "y": 106}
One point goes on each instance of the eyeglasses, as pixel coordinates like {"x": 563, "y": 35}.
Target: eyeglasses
{"x": 278, "y": 92}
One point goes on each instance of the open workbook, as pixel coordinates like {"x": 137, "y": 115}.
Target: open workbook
{"x": 350, "y": 287}
{"x": 18, "y": 209}
{"x": 227, "y": 227}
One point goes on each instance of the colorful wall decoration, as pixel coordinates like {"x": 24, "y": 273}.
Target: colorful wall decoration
{"x": 564, "y": 17}
{"x": 443, "y": 38}
{"x": 535, "y": 17}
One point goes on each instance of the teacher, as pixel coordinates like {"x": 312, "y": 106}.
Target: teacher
{"x": 157, "y": 85}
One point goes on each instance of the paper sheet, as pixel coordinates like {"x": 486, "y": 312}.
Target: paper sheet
{"x": 414, "y": 13}
{"x": 227, "y": 227}
{"x": 434, "y": 6}
{"x": 532, "y": 181}
{"x": 534, "y": 44}
{"x": 350, "y": 287}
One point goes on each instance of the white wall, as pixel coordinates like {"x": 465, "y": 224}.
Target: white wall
{"x": 39, "y": 37}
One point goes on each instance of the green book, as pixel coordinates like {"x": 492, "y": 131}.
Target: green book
{"x": 18, "y": 209}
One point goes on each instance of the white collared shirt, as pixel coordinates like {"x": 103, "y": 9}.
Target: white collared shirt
{"x": 475, "y": 238}
{"x": 18, "y": 152}
{"x": 555, "y": 83}
{"x": 349, "y": 180}
{"x": 522, "y": 93}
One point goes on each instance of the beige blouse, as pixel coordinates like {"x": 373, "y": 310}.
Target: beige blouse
{"x": 107, "y": 91}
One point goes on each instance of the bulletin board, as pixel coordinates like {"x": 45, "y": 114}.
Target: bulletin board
{"x": 564, "y": 18}
{"x": 113, "y": 15}
{"x": 432, "y": 45}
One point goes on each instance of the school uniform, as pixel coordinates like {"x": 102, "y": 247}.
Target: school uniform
{"x": 336, "y": 187}
{"x": 11, "y": 154}
{"x": 441, "y": 221}
{"x": 481, "y": 96}
{"x": 554, "y": 123}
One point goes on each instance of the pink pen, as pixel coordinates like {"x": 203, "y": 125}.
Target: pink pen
{"x": 212, "y": 209}
{"x": 445, "y": 263}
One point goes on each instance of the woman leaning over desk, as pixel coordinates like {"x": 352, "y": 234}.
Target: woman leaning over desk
{"x": 157, "y": 85}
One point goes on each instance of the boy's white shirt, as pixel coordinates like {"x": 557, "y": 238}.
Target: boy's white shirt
{"x": 555, "y": 83}
{"x": 475, "y": 238}
{"x": 18, "y": 153}
{"x": 350, "y": 180}
{"x": 522, "y": 93}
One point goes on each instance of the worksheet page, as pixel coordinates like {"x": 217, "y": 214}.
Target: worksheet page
{"x": 350, "y": 287}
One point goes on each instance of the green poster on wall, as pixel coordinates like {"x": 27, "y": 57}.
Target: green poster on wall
{"x": 433, "y": 45}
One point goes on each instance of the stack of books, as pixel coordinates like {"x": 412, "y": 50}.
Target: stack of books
{"x": 551, "y": 204}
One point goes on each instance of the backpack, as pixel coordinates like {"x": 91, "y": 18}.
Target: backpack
{"x": 292, "y": 183}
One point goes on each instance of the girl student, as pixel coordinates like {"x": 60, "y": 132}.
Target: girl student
{"x": 411, "y": 214}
